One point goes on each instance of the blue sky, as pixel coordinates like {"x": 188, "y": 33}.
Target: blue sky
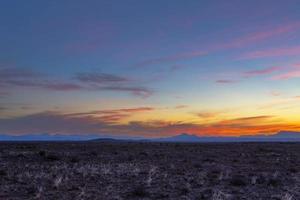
{"x": 196, "y": 64}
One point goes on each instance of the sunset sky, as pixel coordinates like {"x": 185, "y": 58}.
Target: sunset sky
{"x": 149, "y": 68}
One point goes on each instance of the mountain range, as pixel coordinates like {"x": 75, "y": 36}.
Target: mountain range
{"x": 282, "y": 136}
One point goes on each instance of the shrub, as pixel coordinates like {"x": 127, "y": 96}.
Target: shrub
{"x": 52, "y": 157}
{"x": 42, "y": 153}
{"x": 3, "y": 172}
{"x": 238, "y": 181}
{"x": 74, "y": 160}
{"x": 139, "y": 191}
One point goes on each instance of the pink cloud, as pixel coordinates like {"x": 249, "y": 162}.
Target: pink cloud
{"x": 275, "y": 52}
{"x": 261, "y": 35}
{"x": 268, "y": 70}
{"x": 288, "y": 75}
{"x": 294, "y": 72}
{"x": 249, "y": 39}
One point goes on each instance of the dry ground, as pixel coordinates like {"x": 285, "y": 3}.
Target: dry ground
{"x": 103, "y": 170}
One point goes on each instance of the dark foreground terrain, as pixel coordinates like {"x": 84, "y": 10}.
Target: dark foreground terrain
{"x": 103, "y": 170}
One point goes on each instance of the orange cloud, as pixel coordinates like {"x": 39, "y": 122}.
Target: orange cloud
{"x": 207, "y": 115}
{"x": 81, "y": 123}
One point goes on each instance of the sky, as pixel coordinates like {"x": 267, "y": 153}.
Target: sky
{"x": 149, "y": 68}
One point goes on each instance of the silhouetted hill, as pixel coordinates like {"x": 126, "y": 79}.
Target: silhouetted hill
{"x": 184, "y": 137}
{"x": 282, "y": 136}
{"x": 46, "y": 137}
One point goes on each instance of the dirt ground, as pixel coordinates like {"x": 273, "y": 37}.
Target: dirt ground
{"x": 112, "y": 170}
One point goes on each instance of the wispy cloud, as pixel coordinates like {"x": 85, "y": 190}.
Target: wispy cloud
{"x": 112, "y": 116}
{"x": 138, "y": 91}
{"x": 259, "y": 36}
{"x": 226, "y": 81}
{"x": 242, "y": 120}
{"x": 15, "y": 77}
{"x": 181, "y": 106}
{"x": 269, "y": 71}
{"x": 172, "y": 58}
{"x": 288, "y": 75}
{"x": 238, "y": 42}
{"x": 110, "y": 82}
{"x": 264, "y": 71}
{"x": 274, "y": 52}
{"x": 207, "y": 115}
{"x": 100, "y": 78}
{"x": 103, "y": 122}
{"x": 19, "y": 77}
{"x": 3, "y": 94}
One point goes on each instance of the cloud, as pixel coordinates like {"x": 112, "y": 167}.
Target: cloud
{"x": 110, "y": 82}
{"x": 2, "y": 108}
{"x": 226, "y": 81}
{"x": 181, "y": 106}
{"x": 80, "y": 123}
{"x": 112, "y": 116}
{"x": 292, "y": 71}
{"x": 15, "y": 77}
{"x": 3, "y": 94}
{"x": 44, "y": 84}
{"x": 274, "y": 52}
{"x": 275, "y": 93}
{"x": 265, "y": 71}
{"x": 29, "y": 78}
{"x": 8, "y": 73}
{"x": 288, "y": 75}
{"x": 176, "y": 67}
{"x": 62, "y": 86}
{"x": 19, "y": 77}
{"x": 50, "y": 122}
{"x": 247, "y": 120}
{"x": 104, "y": 122}
{"x": 258, "y": 36}
{"x": 138, "y": 91}
{"x": 239, "y": 42}
{"x": 207, "y": 115}
{"x": 100, "y": 78}
{"x": 172, "y": 58}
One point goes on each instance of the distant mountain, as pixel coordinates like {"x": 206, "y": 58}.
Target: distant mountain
{"x": 184, "y": 137}
{"x": 47, "y": 137}
{"x": 60, "y": 137}
{"x": 282, "y": 136}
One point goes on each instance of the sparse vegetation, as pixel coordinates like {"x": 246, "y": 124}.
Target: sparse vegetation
{"x": 149, "y": 171}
